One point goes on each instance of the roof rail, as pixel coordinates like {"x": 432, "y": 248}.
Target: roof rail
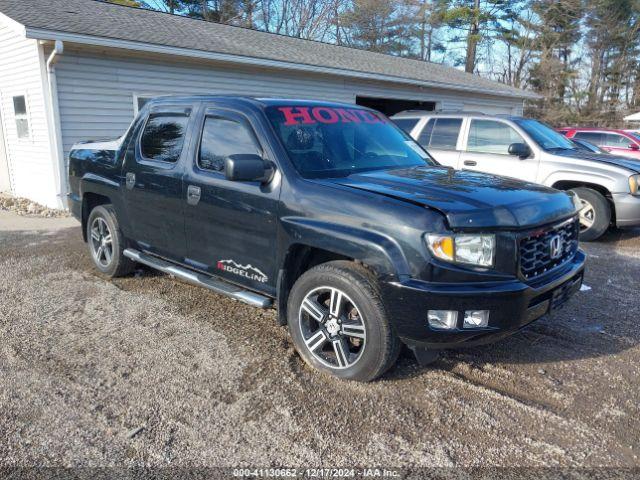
{"x": 459, "y": 112}
{"x": 450, "y": 112}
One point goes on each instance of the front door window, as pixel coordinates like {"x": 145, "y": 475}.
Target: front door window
{"x": 488, "y": 136}
{"x": 222, "y": 137}
{"x": 616, "y": 141}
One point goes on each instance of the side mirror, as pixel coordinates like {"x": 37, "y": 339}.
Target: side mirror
{"x": 521, "y": 150}
{"x": 247, "y": 168}
{"x": 634, "y": 146}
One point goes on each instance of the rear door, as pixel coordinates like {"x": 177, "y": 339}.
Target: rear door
{"x": 486, "y": 149}
{"x": 153, "y": 169}
{"x": 230, "y": 226}
{"x": 440, "y": 137}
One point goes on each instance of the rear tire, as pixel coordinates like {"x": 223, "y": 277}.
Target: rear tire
{"x": 106, "y": 242}
{"x": 338, "y": 322}
{"x": 595, "y": 215}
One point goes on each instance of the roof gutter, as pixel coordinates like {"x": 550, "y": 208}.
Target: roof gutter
{"x": 55, "y": 55}
{"x": 41, "y": 34}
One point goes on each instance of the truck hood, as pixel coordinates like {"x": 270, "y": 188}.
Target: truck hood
{"x": 469, "y": 200}
{"x": 624, "y": 162}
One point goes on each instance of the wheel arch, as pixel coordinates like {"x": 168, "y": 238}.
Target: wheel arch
{"x": 91, "y": 200}
{"x": 604, "y": 191}
{"x": 320, "y": 242}
{"x": 101, "y": 189}
{"x": 569, "y": 184}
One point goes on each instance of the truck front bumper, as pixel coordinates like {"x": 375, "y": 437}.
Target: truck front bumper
{"x": 627, "y": 209}
{"x": 511, "y": 306}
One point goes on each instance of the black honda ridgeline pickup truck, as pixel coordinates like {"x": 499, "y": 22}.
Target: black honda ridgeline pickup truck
{"x": 334, "y": 216}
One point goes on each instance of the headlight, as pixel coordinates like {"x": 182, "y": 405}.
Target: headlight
{"x": 634, "y": 182}
{"x": 469, "y": 249}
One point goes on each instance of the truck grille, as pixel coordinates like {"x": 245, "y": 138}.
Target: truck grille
{"x": 537, "y": 252}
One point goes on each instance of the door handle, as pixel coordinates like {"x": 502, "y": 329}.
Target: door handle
{"x": 470, "y": 163}
{"x": 193, "y": 195}
{"x": 131, "y": 181}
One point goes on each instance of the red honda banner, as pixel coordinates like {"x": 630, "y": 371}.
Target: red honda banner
{"x": 313, "y": 115}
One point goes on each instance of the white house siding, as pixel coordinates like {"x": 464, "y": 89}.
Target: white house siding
{"x": 29, "y": 160}
{"x": 95, "y": 90}
{"x": 493, "y": 109}
{"x": 445, "y": 99}
{"x": 5, "y": 175}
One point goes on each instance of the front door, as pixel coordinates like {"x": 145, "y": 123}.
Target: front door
{"x": 487, "y": 150}
{"x": 5, "y": 180}
{"x": 153, "y": 170}
{"x": 617, "y": 144}
{"x": 230, "y": 226}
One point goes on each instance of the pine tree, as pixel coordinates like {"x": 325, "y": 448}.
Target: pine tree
{"x": 557, "y": 33}
{"x": 378, "y": 25}
{"x": 613, "y": 45}
{"x": 425, "y": 18}
{"x": 473, "y": 23}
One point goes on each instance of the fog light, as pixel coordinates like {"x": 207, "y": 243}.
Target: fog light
{"x": 443, "y": 319}
{"x": 476, "y": 319}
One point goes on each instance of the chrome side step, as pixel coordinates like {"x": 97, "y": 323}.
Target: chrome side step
{"x": 218, "y": 286}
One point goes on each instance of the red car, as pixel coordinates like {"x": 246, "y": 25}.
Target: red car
{"x": 616, "y": 142}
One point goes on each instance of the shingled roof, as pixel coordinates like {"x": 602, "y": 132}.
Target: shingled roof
{"x": 90, "y": 21}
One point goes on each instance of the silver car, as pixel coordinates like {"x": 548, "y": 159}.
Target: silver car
{"x": 527, "y": 149}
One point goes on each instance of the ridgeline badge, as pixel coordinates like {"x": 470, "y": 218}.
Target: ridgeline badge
{"x": 246, "y": 271}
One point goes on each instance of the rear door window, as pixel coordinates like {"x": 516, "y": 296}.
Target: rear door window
{"x": 163, "y": 137}
{"x": 592, "y": 137}
{"x": 441, "y": 133}
{"x": 406, "y": 124}
{"x": 222, "y": 137}
{"x": 488, "y": 136}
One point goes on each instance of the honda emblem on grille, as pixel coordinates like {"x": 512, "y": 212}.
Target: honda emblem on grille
{"x": 555, "y": 247}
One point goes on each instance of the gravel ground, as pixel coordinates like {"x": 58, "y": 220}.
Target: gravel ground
{"x": 148, "y": 371}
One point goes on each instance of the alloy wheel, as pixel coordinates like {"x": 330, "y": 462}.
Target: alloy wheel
{"x": 101, "y": 242}
{"x": 587, "y": 215}
{"x": 332, "y": 327}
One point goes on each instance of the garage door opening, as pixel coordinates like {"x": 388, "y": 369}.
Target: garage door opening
{"x": 391, "y": 106}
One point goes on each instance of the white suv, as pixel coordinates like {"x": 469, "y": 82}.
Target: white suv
{"x": 530, "y": 150}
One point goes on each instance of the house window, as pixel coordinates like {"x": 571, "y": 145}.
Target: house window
{"x": 20, "y": 113}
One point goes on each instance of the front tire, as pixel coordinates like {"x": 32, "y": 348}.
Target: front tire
{"x": 338, "y": 323}
{"x": 106, "y": 242}
{"x": 595, "y": 215}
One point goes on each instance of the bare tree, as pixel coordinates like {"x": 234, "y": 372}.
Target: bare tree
{"x": 310, "y": 19}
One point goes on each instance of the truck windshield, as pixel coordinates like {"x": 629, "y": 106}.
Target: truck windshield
{"x": 327, "y": 141}
{"x": 545, "y": 136}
